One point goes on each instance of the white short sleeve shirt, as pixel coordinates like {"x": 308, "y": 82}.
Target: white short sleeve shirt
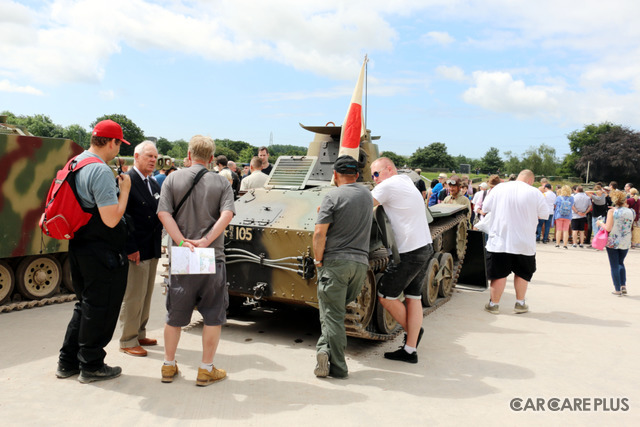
{"x": 515, "y": 208}
{"x": 405, "y": 207}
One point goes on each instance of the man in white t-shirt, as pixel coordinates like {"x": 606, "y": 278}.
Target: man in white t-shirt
{"x": 256, "y": 179}
{"x": 405, "y": 209}
{"x": 550, "y": 199}
{"x": 515, "y": 208}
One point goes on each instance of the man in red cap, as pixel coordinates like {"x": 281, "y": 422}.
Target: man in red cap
{"x": 98, "y": 260}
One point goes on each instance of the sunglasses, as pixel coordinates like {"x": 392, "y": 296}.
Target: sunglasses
{"x": 377, "y": 174}
{"x": 452, "y": 182}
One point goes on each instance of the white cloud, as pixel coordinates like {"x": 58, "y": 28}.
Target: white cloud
{"x": 451, "y": 73}
{"x": 498, "y": 91}
{"x": 72, "y": 41}
{"x": 7, "y": 86}
{"x": 439, "y": 37}
{"x": 107, "y": 95}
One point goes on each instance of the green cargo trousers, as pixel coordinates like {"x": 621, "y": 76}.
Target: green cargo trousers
{"x": 339, "y": 283}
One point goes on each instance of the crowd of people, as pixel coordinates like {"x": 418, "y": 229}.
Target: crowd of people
{"x": 114, "y": 257}
{"x": 583, "y": 212}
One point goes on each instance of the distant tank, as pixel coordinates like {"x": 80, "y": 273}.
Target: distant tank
{"x": 32, "y": 265}
{"x": 269, "y": 249}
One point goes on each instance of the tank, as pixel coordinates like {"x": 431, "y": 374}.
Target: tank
{"x": 268, "y": 244}
{"x": 33, "y": 266}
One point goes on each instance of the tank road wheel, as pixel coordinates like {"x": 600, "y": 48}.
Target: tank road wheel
{"x": 461, "y": 240}
{"x": 385, "y": 322}
{"x": 446, "y": 265}
{"x": 431, "y": 285}
{"x": 38, "y": 277}
{"x": 361, "y": 310}
{"x": 66, "y": 275}
{"x": 7, "y": 282}
{"x": 437, "y": 244}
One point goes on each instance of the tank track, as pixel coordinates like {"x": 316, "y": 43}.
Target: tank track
{"x": 378, "y": 263}
{"x": 438, "y": 230}
{"x": 17, "y": 306}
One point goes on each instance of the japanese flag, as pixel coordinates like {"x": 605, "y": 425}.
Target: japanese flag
{"x": 353, "y": 127}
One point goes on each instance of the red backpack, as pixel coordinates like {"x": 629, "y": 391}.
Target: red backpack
{"x": 63, "y": 214}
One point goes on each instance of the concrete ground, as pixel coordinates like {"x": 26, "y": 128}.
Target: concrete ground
{"x": 578, "y": 344}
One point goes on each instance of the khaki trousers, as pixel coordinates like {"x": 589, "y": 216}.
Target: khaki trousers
{"x": 339, "y": 283}
{"x": 137, "y": 302}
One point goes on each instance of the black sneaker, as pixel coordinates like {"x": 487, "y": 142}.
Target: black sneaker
{"x": 63, "y": 372}
{"x": 404, "y": 342}
{"x": 401, "y": 355}
{"x": 105, "y": 373}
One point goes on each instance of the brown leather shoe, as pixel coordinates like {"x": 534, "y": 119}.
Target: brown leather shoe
{"x": 147, "y": 341}
{"x": 134, "y": 351}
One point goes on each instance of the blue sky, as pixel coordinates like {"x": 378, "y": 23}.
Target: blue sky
{"x": 472, "y": 74}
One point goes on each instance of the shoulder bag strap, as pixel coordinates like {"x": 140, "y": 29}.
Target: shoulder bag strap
{"x": 199, "y": 175}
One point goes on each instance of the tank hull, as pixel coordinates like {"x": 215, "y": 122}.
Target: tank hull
{"x": 269, "y": 246}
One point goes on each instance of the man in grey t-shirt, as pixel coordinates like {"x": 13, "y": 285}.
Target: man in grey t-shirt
{"x": 202, "y": 225}
{"x": 341, "y": 250}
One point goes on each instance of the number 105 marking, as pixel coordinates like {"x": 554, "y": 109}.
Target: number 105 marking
{"x": 241, "y": 233}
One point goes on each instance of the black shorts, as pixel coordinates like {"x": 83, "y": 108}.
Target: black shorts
{"x": 579, "y": 224}
{"x": 500, "y": 265}
{"x": 407, "y": 276}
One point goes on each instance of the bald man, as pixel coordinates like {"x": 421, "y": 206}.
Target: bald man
{"x": 515, "y": 207}
{"x": 404, "y": 206}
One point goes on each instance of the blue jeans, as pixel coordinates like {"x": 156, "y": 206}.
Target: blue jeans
{"x": 547, "y": 226}
{"x": 618, "y": 272}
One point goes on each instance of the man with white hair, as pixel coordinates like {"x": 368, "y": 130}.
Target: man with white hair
{"x": 143, "y": 250}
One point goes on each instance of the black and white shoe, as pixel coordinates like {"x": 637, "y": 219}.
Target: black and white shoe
{"x": 401, "y": 355}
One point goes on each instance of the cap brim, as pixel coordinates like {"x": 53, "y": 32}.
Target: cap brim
{"x": 125, "y": 141}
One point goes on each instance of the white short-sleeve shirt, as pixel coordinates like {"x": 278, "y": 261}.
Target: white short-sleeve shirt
{"x": 515, "y": 208}
{"x": 405, "y": 208}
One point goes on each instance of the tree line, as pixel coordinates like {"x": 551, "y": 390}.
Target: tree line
{"x": 237, "y": 151}
{"x": 605, "y": 151}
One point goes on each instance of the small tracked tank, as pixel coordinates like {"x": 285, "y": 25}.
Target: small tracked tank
{"x": 269, "y": 242}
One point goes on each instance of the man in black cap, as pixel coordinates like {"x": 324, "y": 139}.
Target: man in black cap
{"x": 341, "y": 250}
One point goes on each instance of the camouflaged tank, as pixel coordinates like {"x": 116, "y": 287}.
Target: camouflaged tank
{"x": 269, "y": 247}
{"x": 31, "y": 263}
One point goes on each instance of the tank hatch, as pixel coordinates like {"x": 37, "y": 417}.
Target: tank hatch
{"x": 291, "y": 172}
{"x": 262, "y": 216}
